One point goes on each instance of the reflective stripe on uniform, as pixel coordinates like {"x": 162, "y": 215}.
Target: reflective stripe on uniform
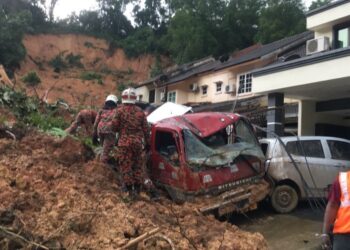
{"x": 345, "y": 201}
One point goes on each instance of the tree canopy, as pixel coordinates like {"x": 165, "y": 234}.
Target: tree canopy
{"x": 185, "y": 30}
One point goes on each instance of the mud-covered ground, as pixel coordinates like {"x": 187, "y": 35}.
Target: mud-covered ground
{"x": 300, "y": 229}
{"x": 54, "y": 194}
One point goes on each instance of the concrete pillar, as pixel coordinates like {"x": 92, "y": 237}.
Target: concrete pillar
{"x": 307, "y": 118}
{"x": 275, "y": 114}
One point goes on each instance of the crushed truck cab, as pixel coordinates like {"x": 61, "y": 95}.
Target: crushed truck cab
{"x": 211, "y": 159}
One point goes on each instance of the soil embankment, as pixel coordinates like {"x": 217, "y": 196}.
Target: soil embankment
{"x": 86, "y": 54}
{"x": 53, "y": 193}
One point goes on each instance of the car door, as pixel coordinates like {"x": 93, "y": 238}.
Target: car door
{"x": 339, "y": 157}
{"x": 309, "y": 154}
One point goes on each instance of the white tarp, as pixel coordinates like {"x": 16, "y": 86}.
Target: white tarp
{"x": 167, "y": 110}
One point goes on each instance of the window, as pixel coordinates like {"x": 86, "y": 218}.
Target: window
{"x": 245, "y": 83}
{"x": 140, "y": 97}
{"x": 312, "y": 148}
{"x": 264, "y": 147}
{"x": 205, "y": 90}
{"x": 342, "y": 35}
{"x": 339, "y": 150}
{"x": 166, "y": 146}
{"x": 172, "y": 96}
{"x": 218, "y": 86}
{"x": 152, "y": 95}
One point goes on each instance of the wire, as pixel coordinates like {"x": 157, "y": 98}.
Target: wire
{"x": 305, "y": 185}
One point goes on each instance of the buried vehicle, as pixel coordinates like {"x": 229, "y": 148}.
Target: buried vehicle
{"x": 211, "y": 159}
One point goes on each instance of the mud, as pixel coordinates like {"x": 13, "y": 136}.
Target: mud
{"x": 53, "y": 194}
{"x": 300, "y": 229}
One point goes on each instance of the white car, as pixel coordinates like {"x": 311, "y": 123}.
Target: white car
{"x": 318, "y": 161}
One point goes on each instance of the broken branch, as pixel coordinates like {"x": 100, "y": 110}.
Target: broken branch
{"x": 141, "y": 238}
{"x": 21, "y": 238}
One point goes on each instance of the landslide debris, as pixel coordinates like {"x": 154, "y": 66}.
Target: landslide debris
{"x": 55, "y": 196}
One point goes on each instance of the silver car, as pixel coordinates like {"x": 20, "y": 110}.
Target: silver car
{"x": 318, "y": 160}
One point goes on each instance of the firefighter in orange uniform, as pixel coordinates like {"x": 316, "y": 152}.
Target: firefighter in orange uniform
{"x": 131, "y": 124}
{"x": 103, "y": 128}
{"x": 86, "y": 119}
{"x": 338, "y": 214}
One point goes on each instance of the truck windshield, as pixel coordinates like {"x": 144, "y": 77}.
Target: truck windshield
{"x": 222, "y": 147}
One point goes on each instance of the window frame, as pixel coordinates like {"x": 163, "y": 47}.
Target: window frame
{"x": 154, "y": 95}
{"x": 169, "y": 96}
{"x": 206, "y": 90}
{"x": 301, "y": 147}
{"x": 244, "y": 84}
{"x": 218, "y": 84}
{"x": 336, "y": 29}
{"x": 332, "y": 156}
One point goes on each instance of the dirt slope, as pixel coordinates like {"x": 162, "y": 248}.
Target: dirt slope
{"x": 96, "y": 55}
{"x": 54, "y": 194}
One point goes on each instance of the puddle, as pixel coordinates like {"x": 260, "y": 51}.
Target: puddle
{"x": 298, "y": 230}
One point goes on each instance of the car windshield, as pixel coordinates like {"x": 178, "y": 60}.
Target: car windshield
{"x": 222, "y": 147}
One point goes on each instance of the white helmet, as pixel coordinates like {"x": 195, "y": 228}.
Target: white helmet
{"x": 129, "y": 96}
{"x": 112, "y": 98}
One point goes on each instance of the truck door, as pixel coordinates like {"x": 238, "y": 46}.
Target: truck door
{"x": 165, "y": 158}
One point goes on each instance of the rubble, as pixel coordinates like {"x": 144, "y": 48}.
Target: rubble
{"x": 55, "y": 196}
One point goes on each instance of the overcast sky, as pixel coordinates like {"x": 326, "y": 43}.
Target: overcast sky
{"x": 65, "y": 7}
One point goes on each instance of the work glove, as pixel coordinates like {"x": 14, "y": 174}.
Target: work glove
{"x": 326, "y": 242}
{"x": 95, "y": 140}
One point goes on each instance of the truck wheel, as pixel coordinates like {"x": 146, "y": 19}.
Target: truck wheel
{"x": 284, "y": 199}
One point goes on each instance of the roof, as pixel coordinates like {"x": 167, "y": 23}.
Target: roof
{"x": 190, "y": 69}
{"x": 267, "y": 49}
{"x": 201, "y": 124}
{"x": 316, "y": 58}
{"x": 326, "y": 7}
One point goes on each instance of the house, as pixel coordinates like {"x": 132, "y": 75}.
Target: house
{"x": 224, "y": 84}
{"x": 320, "y": 80}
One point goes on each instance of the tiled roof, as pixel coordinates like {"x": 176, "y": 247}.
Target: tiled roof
{"x": 189, "y": 70}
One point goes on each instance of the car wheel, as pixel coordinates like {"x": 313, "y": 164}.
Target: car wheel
{"x": 284, "y": 199}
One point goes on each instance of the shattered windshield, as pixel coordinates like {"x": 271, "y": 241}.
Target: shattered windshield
{"x": 222, "y": 147}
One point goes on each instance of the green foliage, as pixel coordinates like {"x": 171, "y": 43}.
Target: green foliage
{"x": 45, "y": 121}
{"x": 281, "y": 18}
{"x": 18, "y": 102}
{"x": 141, "y": 42}
{"x": 319, "y": 3}
{"x": 12, "y": 28}
{"x": 74, "y": 60}
{"x": 90, "y": 75}
{"x": 156, "y": 68}
{"x": 26, "y": 110}
{"x": 58, "y": 63}
{"x": 31, "y": 79}
{"x": 89, "y": 45}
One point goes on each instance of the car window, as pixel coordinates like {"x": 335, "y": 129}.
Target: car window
{"x": 339, "y": 150}
{"x": 309, "y": 148}
{"x": 166, "y": 146}
{"x": 264, "y": 147}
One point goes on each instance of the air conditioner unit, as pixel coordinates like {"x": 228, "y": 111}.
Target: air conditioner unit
{"x": 194, "y": 87}
{"x": 317, "y": 45}
{"x": 229, "y": 88}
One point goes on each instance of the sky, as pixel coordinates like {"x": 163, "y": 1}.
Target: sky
{"x": 65, "y": 7}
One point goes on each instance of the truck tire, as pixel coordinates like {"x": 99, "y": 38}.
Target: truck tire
{"x": 284, "y": 199}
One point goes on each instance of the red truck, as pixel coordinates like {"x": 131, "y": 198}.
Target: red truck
{"x": 211, "y": 159}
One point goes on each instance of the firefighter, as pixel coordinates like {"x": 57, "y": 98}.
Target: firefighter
{"x": 338, "y": 213}
{"x": 103, "y": 128}
{"x": 86, "y": 119}
{"x": 131, "y": 124}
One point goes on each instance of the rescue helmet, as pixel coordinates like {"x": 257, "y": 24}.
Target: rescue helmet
{"x": 112, "y": 98}
{"x": 129, "y": 96}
